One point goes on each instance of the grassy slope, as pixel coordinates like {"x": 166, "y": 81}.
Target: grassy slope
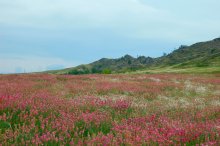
{"x": 201, "y": 65}
{"x": 209, "y": 64}
{"x": 212, "y": 65}
{"x": 167, "y": 69}
{"x": 201, "y": 70}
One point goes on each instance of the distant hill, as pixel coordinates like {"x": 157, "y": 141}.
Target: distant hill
{"x": 202, "y": 54}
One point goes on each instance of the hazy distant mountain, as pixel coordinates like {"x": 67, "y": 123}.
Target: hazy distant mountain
{"x": 197, "y": 55}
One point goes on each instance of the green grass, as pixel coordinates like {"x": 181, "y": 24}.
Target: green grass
{"x": 172, "y": 69}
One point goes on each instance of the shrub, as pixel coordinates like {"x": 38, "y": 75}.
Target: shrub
{"x": 106, "y": 71}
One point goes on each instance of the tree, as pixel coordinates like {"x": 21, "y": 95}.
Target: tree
{"x": 164, "y": 54}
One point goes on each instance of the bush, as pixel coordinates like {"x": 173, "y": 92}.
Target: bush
{"x": 106, "y": 71}
{"x": 202, "y": 64}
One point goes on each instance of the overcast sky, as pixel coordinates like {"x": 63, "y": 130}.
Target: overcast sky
{"x": 38, "y": 35}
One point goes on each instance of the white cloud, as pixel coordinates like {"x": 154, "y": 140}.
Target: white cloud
{"x": 127, "y": 18}
{"x": 47, "y": 13}
{"x": 96, "y": 25}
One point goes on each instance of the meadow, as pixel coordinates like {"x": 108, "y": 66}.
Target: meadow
{"x": 132, "y": 109}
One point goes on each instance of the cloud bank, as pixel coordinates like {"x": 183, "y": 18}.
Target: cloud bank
{"x": 81, "y": 31}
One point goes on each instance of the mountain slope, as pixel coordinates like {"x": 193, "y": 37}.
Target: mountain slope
{"x": 199, "y": 54}
{"x": 203, "y": 54}
{"x": 125, "y": 63}
{"x": 105, "y": 65}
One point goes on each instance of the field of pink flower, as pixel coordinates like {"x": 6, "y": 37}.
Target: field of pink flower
{"x": 159, "y": 109}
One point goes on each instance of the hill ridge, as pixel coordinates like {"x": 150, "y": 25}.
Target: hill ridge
{"x": 200, "y": 54}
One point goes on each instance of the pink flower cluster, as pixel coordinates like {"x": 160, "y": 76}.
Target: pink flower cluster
{"x": 46, "y": 109}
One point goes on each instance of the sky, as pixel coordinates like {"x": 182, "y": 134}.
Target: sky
{"x": 38, "y": 35}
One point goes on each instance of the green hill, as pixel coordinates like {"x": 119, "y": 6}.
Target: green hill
{"x": 126, "y": 63}
{"x": 202, "y": 55}
{"x": 199, "y": 55}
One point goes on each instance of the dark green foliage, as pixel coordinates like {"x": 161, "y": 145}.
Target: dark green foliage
{"x": 106, "y": 71}
{"x": 4, "y": 125}
{"x": 95, "y": 70}
{"x": 202, "y": 64}
{"x": 86, "y": 129}
{"x": 79, "y": 71}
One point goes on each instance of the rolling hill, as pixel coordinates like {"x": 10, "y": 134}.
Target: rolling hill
{"x": 199, "y": 55}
